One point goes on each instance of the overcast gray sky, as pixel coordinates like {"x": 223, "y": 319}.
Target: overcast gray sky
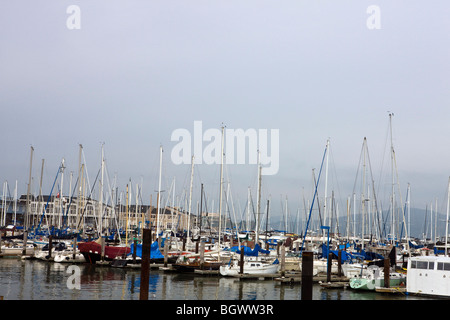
{"x": 136, "y": 71}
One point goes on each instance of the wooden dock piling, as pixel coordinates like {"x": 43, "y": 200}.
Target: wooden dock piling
{"x": 307, "y": 275}
{"x": 329, "y": 265}
{"x": 134, "y": 250}
{"x": 74, "y": 246}
{"x": 387, "y": 278}
{"x": 25, "y": 240}
{"x": 202, "y": 255}
{"x": 145, "y": 264}
{"x": 166, "y": 253}
{"x": 50, "y": 246}
{"x": 283, "y": 260}
{"x": 241, "y": 262}
{"x": 102, "y": 241}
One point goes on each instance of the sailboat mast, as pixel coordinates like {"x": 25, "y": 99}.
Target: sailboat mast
{"x": 325, "y": 213}
{"x": 27, "y": 210}
{"x": 409, "y": 210}
{"x": 221, "y": 185}
{"x": 363, "y": 196}
{"x": 200, "y": 215}
{"x": 3, "y": 217}
{"x": 286, "y": 216}
{"x": 248, "y": 210}
{"x": 101, "y": 193}
{"x": 446, "y": 220}
{"x": 159, "y": 191}
{"x": 61, "y": 195}
{"x": 190, "y": 200}
{"x": 126, "y": 218}
{"x": 80, "y": 186}
{"x": 393, "y": 181}
{"x": 258, "y": 203}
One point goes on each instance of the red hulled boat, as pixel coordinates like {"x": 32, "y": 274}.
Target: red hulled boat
{"x": 92, "y": 251}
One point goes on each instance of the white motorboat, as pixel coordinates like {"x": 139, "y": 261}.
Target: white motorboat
{"x": 66, "y": 256}
{"x": 428, "y": 275}
{"x": 16, "y": 249}
{"x": 253, "y": 266}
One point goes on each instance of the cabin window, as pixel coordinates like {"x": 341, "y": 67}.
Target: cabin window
{"x": 422, "y": 264}
{"x": 443, "y": 266}
{"x": 413, "y": 264}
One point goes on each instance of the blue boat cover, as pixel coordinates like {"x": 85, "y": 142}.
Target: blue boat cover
{"x": 371, "y": 255}
{"x": 411, "y": 245}
{"x": 248, "y": 251}
{"x": 345, "y": 256}
{"x": 154, "y": 251}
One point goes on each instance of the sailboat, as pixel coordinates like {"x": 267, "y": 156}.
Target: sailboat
{"x": 92, "y": 251}
{"x": 252, "y": 265}
{"x": 192, "y": 262}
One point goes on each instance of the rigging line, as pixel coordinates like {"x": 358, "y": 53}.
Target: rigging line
{"x": 373, "y": 191}
{"x": 339, "y": 200}
{"x": 111, "y": 198}
{"x": 318, "y": 202}
{"x": 314, "y": 197}
{"x": 383, "y": 157}
{"x": 357, "y": 170}
{"x": 85, "y": 168}
{"x": 89, "y": 198}
{"x": 8, "y": 195}
{"x": 70, "y": 202}
{"x": 401, "y": 201}
{"x": 48, "y": 200}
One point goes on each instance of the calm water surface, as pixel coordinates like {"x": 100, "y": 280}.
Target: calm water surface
{"x": 38, "y": 280}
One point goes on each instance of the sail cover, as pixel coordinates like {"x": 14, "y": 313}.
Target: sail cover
{"x": 155, "y": 253}
{"x": 249, "y": 251}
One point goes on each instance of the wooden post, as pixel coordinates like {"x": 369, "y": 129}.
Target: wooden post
{"x": 283, "y": 259}
{"x": 25, "y": 240}
{"x": 241, "y": 262}
{"x": 145, "y": 264}
{"x": 166, "y": 253}
{"x": 74, "y": 246}
{"x": 340, "y": 263}
{"x": 307, "y": 275}
{"x": 134, "y": 250}
{"x": 387, "y": 266}
{"x": 329, "y": 265}
{"x": 50, "y": 246}
{"x": 102, "y": 241}
{"x": 202, "y": 255}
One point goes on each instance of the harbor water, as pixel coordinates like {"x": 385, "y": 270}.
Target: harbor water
{"x": 39, "y": 280}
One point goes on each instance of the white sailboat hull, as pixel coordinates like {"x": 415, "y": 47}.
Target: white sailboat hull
{"x": 250, "y": 267}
